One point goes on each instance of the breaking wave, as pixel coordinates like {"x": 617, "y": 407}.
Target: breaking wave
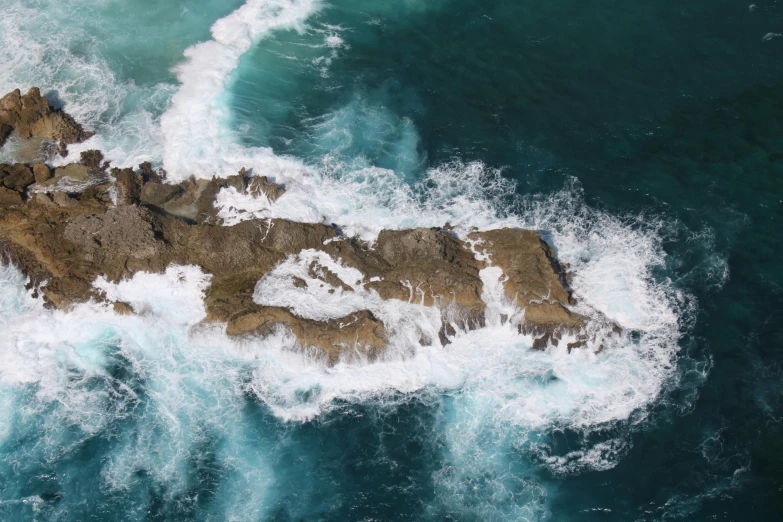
{"x": 160, "y": 387}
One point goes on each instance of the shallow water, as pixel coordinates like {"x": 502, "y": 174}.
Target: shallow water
{"x": 643, "y": 140}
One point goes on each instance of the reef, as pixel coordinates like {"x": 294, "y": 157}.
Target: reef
{"x": 67, "y": 226}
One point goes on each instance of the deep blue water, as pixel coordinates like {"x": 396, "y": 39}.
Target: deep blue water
{"x": 654, "y": 128}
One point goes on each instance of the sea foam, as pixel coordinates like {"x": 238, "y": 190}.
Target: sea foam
{"x": 194, "y": 139}
{"x": 501, "y": 397}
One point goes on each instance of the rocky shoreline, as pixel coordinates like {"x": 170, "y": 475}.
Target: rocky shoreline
{"x": 65, "y": 227}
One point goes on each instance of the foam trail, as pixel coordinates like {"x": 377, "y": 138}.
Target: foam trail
{"x": 195, "y": 143}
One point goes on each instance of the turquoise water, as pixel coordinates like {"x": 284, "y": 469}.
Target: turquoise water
{"x": 645, "y": 140}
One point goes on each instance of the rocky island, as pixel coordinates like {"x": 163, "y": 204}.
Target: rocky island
{"x": 65, "y": 227}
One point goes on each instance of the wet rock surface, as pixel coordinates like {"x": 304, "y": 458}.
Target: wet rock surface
{"x": 30, "y": 115}
{"x": 66, "y": 227}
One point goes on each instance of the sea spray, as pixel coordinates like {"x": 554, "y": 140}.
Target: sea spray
{"x": 162, "y": 405}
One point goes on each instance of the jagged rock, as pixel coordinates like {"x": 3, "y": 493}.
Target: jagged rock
{"x": 316, "y": 271}
{"x": 149, "y": 174}
{"x": 75, "y": 171}
{"x": 238, "y": 181}
{"x": 206, "y": 213}
{"x": 61, "y": 199}
{"x": 9, "y": 197}
{"x": 122, "y": 308}
{"x": 17, "y": 176}
{"x": 259, "y": 185}
{"x": 158, "y": 193}
{"x": 31, "y": 115}
{"x": 64, "y": 240}
{"x": 91, "y": 158}
{"x": 420, "y": 265}
{"x": 533, "y": 279}
{"x": 128, "y": 186}
{"x": 43, "y": 198}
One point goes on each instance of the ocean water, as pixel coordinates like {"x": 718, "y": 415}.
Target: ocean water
{"x": 645, "y": 140}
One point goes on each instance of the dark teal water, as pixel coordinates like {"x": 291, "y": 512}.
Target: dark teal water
{"x": 668, "y": 110}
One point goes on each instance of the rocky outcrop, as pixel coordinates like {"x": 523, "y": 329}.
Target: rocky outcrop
{"x": 535, "y": 280}
{"x": 64, "y": 240}
{"x": 360, "y": 331}
{"x": 66, "y": 227}
{"x": 30, "y": 115}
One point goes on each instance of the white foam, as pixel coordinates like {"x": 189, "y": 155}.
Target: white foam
{"x": 497, "y": 380}
{"x": 177, "y": 295}
{"x": 334, "y": 41}
{"x": 57, "y": 369}
{"x": 365, "y": 201}
{"x": 493, "y": 374}
{"x": 194, "y": 140}
{"x": 48, "y": 46}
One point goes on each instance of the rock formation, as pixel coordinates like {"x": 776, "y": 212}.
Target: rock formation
{"x": 32, "y": 116}
{"x": 67, "y": 226}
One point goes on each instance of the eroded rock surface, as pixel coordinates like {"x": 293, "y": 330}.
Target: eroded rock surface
{"x": 30, "y": 115}
{"x": 68, "y": 226}
{"x": 535, "y": 280}
{"x": 64, "y": 241}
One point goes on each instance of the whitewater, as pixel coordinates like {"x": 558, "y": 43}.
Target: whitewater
{"x": 158, "y": 395}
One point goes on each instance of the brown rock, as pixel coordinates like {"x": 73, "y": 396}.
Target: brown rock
{"x": 238, "y": 181}
{"x": 206, "y": 213}
{"x": 149, "y": 174}
{"x": 9, "y": 197}
{"x": 421, "y": 265}
{"x": 61, "y": 199}
{"x": 5, "y": 132}
{"x": 122, "y": 308}
{"x": 75, "y": 171}
{"x": 91, "y": 158}
{"x": 43, "y": 199}
{"x": 527, "y": 261}
{"x": 549, "y": 314}
{"x": 259, "y": 185}
{"x": 426, "y": 266}
{"x": 316, "y": 271}
{"x": 128, "y": 186}
{"x": 42, "y": 172}
{"x": 534, "y": 278}
{"x": 17, "y": 177}
{"x": 65, "y": 241}
{"x": 358, "y": 332}
{"x": 158, "y": 193}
